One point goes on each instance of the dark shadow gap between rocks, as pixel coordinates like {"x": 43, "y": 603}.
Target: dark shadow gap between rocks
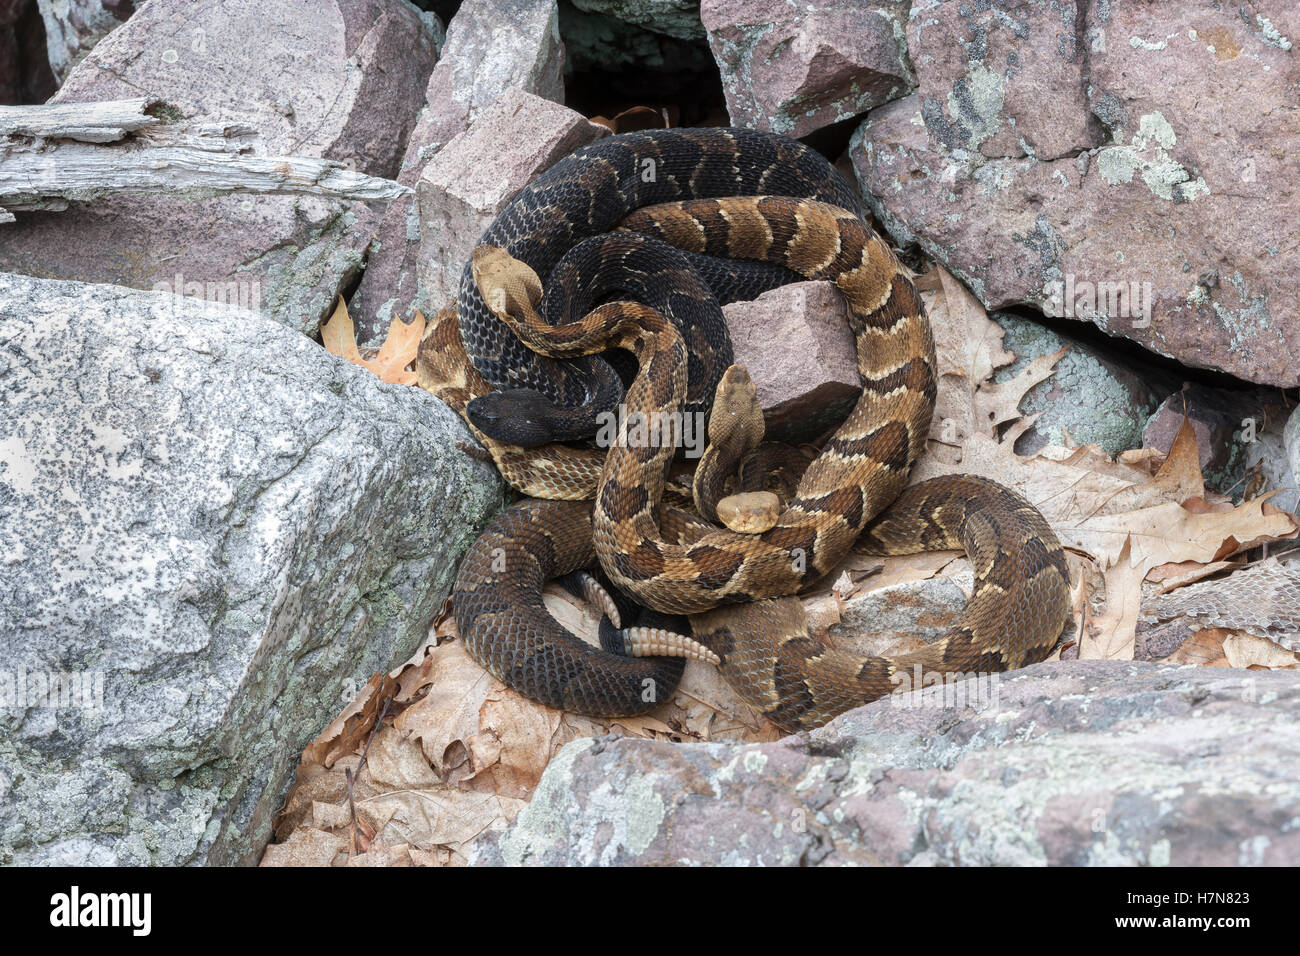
{"x": 833, "y": 141}
{"x": 1137, "y": 356}
{"x": 611, "y": 66}
{"x": 25, "y": 74}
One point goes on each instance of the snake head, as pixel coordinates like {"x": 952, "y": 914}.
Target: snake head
{"x": 514, "y": 415}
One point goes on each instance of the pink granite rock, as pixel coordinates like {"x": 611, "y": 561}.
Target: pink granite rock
{"x": 1171, "y": 233}
{"x": 492, "y": 46}
{"x": 793, "y": 67}
{"x": 1006, "y": 80}
{"x": 1061, "y": 763}
{"x": 473, "y": 177}
{"x": 339, "y": 80}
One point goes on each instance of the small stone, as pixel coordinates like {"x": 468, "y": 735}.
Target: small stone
{"x": 796, "y": 343}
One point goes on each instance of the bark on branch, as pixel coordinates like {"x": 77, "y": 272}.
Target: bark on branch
{"x": 51, "y": 155}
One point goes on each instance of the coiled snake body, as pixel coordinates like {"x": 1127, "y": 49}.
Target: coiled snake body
{"x": 736, "y": 587}
{"x": 587, "y": 194}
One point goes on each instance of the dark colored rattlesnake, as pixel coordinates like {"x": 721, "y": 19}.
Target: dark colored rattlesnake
{"x": 587, "y": 194}
{"x": 733, "y": 585}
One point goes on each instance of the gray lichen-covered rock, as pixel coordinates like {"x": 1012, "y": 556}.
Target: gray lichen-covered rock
{"x": 211, "y": 532}
{"x": 73, "y": 27}
{"x": 340, "y": 80}
{"x": 1166, "y": 228}
{"x": 1097, "y": 399}
{"x": 492, "y": 46}
{"x": 1086, "y": 762}
{"x": 1275, "y": 457}
{"x": 792, "y": 66}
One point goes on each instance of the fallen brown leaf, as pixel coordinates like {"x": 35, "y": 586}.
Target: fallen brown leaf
{"x": 1110, "y": 636}
{"x": 637, "y": 118}
{"x": 1257, "y": 653}
{"x": 394, "y": 361}
{"x": 1204, "y": 649}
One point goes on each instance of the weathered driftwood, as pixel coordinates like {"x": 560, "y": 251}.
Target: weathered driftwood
{"x": 51, "y": 155}
{"x": 105, "y": 122}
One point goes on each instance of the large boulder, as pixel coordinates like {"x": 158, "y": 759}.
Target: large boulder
{"x": 1086, "y": 762}
{"x": 213, "y": 532}
{"x": 339, "y": 80}
{"x": 1062, "y": 156}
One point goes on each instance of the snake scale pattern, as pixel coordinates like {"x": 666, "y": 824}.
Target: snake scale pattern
{"x": 738, "y": 195}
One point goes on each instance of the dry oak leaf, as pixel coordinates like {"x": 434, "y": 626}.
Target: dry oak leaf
{"x": 353, "y": 725}
{"x": 391, "y": 362}
{"x": 1111, "y": 635}
{"x": 968, "y": 350}
{"x": 1172, "y": 533}
{"x": 478, "y": 734}
{"x": 306, "y": 846}
{"x": 1257, "y": 653}
{"x": 638, "y": 118}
